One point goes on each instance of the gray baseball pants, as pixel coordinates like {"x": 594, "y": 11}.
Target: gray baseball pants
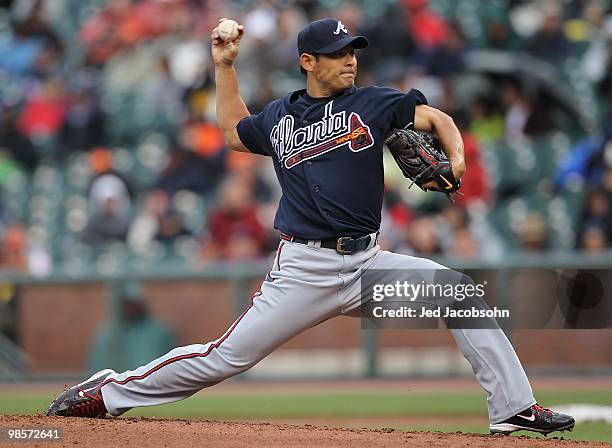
{"x": 306, "y": 286}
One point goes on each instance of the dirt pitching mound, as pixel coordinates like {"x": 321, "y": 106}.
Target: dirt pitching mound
{"x": 172, "y": 433}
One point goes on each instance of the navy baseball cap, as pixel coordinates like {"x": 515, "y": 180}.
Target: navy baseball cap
{"x": 327, "y": 36}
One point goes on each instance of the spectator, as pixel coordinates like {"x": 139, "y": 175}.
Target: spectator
{"x": 597, "y": 214}
{"x": 606, "y": 178}
{"x": 124, "y": 23}
{"x": 18, "y": 52}
{"x": 390, "y": 40}
{"x": 486, "y": 122}
{"x": 454, "y": 217}
{"x": 85, "y": 121}
{"x": 549, "y": 42}
{"x": 533, "y": 233}
{"x": 236, "y": 232}
{"x": 476, "y": 186}
{"x": 186, "y": 170}
{"x": 48, "y": 60}
{"x": 109, "y": 210}
{"x": 499, "y": 33}
{"x": 262, "y": 20}
{"x": 38, "y": 16}
{"x": 14, "y": 142}
{"x": 447, "y": 58}
{"x": 593, "y": 239}
{"x": 145, "y": 226}
{"x": 188, "y": 59}
{"x": 246, "y": 168}
{"x": 158, "y": 99}
{"x": 170, "y": 226}
{"x": 464, "y": 245}
{"x": 517, "y": 110}
{"x": 133, "y": 337}
{"x": 13, "y": 252}
{"x": 428, "y": 29}
{"x": 202, "y": 137}
{"x": 44, "y": 111}
{"x": 277, "y": 57}
{"x": 33, "y": 47}
{"x": 581, "y": 162}
{"x": 456, "y": 236}
{"x": 196, "y": 161}
{"x": 585, "y": 22}
{"x": 421, "y": 237}
{"x": 396, "y": 215}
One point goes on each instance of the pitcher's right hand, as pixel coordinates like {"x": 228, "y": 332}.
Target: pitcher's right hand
{"x": 224, "y": 53}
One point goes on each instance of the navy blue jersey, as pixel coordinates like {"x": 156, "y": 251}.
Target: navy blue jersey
{"x": 327, "y": 154}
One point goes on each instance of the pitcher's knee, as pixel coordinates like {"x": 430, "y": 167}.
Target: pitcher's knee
{"x": 236, "y": 361}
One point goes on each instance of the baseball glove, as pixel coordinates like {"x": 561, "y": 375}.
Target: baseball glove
{"x": 420, "y": 157}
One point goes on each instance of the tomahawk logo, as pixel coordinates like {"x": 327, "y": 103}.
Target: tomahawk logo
{"x": 340, "y": 27}
{"x": 334, "y": 130}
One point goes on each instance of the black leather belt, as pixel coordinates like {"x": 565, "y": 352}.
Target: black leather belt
{"x": 344, "y": 245}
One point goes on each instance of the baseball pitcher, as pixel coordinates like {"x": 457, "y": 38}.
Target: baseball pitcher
{"x": 326, "y": 144}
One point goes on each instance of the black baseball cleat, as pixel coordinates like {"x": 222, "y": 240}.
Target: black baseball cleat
{"x": 537, "y": 419}
{"x": 83, "y": 399}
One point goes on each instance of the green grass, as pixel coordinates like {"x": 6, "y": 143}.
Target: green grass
{"x": 349, "y": 405}
{"x": 330, "y": 405}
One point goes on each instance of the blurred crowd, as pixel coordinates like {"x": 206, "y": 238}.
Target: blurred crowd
{"x": 108, "y": 140}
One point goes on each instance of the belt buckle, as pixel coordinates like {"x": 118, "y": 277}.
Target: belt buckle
{"x": 340, "y": 245}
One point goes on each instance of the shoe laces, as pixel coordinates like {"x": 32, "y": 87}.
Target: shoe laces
{"x": 541, "y": 410}
{"x": 94, "y": 407}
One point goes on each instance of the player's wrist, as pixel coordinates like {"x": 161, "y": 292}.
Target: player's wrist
{"x": 224, "y": 64}
{"x": 458, "y": 167}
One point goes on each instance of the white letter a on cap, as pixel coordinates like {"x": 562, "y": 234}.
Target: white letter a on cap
{"x": 340, "y": 27}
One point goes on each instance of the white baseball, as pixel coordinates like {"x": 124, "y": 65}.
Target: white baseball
{"x": 228, "y": 30}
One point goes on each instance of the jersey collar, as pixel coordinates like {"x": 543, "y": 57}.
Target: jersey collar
{"x": 294, "y": 96}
